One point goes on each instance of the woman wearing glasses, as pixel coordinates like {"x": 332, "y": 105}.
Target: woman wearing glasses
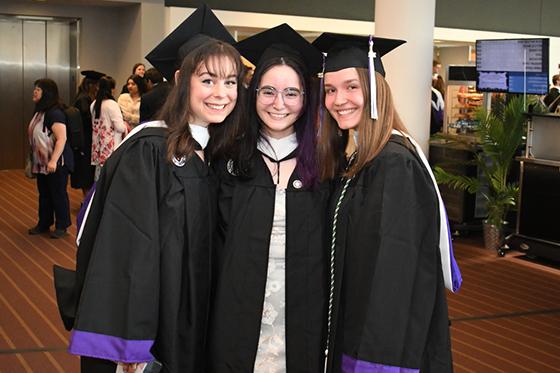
{"x": 269, "y": 303}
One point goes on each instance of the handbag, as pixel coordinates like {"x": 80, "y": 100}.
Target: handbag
{"x": 28, "y": 170}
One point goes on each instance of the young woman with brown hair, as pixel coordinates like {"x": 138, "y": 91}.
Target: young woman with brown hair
{"x": 144, "y": 255}
{"x": 390, "y": 252}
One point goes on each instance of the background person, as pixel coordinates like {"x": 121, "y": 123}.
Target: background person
{"x": 138, "y": 69}
{"x": 108, "y": 127}
{"x": 153, "y": 100}
{"x": 130, "y": 102}
{"x": 552, "y": 98}
{"x": 84, "y": 173}
{"x": 52, "y": 159}
{"x": 437, "y": 106}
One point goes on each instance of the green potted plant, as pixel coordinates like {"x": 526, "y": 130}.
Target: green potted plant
{"x": 499, "y": 135}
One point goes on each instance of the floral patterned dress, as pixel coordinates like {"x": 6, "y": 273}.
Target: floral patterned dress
{"x": 107, "y": 131}
{"x": 271, "y": 352}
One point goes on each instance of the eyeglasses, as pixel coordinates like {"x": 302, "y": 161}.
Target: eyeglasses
{"x": 268, "y": 94}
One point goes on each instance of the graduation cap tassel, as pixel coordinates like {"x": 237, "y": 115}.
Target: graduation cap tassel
{"x": 321, "y": 92}
{"x": 372, "y": 86}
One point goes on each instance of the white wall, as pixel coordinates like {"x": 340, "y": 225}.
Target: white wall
{"x": 175, "y": 15}
{"x": 153, "y": 29}
{"x": 453, "y": 56}
{"x": 128, "y": 42}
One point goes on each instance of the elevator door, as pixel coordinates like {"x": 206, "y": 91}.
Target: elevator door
{"x": 31, "y": 49}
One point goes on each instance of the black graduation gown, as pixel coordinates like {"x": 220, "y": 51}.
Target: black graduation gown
{"x": 84, "y": 172}
{"x": 143, "y": 266}
{"x": 247, "y": 209}
{"x": 390, "y": 301}
{"x": 153, "y": 101}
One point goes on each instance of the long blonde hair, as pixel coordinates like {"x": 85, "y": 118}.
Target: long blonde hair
{"x": 374, "y": 134}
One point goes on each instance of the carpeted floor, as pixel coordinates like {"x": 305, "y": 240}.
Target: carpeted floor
{"x": 506, "y": 318}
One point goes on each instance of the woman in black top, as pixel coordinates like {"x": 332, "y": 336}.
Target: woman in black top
{"x": 83, "y": 175}
{"x": 52, "y": 159}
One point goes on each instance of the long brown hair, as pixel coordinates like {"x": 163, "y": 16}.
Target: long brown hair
{"x": 374, "y": 134}
{"x": 176, "y": 111}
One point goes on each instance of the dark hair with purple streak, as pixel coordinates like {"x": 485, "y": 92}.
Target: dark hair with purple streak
{"x": 305, "y": 126}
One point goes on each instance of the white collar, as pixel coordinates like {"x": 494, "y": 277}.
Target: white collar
{"x": 150, "y": 124}
{"x": 277, "y": 149}
{"x": 451, "y": 273}
{"x": 200, "y": 134}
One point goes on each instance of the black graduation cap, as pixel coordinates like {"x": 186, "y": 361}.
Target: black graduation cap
{"x": 92, "y": 74}
{"x": 345, "y": 51}
{"x": 198, "y": 28}
{"x": 281, "y": 41}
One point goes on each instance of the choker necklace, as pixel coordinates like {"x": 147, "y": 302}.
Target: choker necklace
{"x": 278, "y": 150}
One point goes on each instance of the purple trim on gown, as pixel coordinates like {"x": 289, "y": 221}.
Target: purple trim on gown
{"x": 456, "y": 277}
{"x": 84, "y": 206}
{"x": 351, "y": 365}
{"x": 110, "y": 348}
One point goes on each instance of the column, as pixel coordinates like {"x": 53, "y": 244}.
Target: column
{"x": 409, "y": 67}
{"x": 153, "y": 27}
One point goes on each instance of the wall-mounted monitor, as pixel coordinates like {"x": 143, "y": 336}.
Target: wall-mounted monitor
{"x": 461, "y": 73}
{"x": 512, "y": 65}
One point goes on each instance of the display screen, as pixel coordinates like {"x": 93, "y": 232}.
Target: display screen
{"x": 512, "y": 65}
{"x": 462, "y": 73}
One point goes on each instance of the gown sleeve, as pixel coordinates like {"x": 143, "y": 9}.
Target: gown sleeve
{"x": 117, "y": 317}
{"x": 226, "y": 189}
{"x": 387, "y": 323}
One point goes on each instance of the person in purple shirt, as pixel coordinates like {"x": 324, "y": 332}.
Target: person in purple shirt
{"x": 390, "y": 252}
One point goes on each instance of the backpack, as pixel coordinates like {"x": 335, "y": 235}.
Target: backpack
{"x": 74, "y": 128}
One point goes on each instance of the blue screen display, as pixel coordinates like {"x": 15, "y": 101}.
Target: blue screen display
{"x": 512, "y": 65}
{"x": 537, "y": 83}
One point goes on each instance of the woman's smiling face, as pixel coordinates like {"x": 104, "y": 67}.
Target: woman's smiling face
{"x": 212, "y": 96}
{"x": 280, "y": 100}
{"x": 344, "y": 97}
